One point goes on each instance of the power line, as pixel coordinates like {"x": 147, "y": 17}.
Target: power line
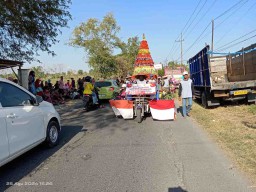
{"x": 181, "y": 53}
{"x": 236, "y": 39}
{"x": 173, "y": 47}
{"x": 222, "y": 14}
{"x": 225, "y": 12}
{"x": 191, "y": 15}
{"x": 237, "y": 22}
{"x": 231, "y": 14}
{"x": 237, "y": 43}
{"x": 196, "y": 16}
{"x": 211, "y": 6}
{"x": 198, "y": 38}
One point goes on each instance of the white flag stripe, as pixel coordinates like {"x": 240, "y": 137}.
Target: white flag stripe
{"x": 167, "y": 114}
{"x": 126, "y": 113}
{"x": 117, "y": 113}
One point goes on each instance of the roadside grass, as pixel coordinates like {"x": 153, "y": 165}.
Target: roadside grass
{"x": 234, "y": 128}
{"x": 252, "y": 109}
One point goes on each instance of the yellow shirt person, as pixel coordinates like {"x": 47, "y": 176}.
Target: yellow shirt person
{"x": 88, "y": 88}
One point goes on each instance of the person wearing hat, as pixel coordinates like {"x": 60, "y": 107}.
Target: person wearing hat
{"x": 128, "y": 79}
{"x": 186, "y": 93}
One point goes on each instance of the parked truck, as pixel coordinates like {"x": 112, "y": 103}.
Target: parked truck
{"x": 219, "y": 78}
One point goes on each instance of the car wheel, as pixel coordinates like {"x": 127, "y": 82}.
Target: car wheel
{"x": 52, "y": 135}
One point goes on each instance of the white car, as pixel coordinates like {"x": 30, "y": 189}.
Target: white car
{"x": 25, "y": 121}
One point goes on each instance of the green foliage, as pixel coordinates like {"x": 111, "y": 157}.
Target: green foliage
{"x": 80, "y": 72}
{"x": 125, "y": 60}
{"x": 38, "y": 71}
{"x": 167, "y": 95}
{"x": 160, "y": 72}
{"x": 174, "y": 64}
{"x": 99, "y": 39}
{"x": 27, "y": 27}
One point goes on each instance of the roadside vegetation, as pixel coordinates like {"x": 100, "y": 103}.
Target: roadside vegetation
{"x": 234, "y": 128}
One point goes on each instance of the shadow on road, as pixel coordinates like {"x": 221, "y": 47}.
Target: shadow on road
{"x": 74, "y": 121}
{"x": 32, "y": 161}
{"x": 176, "y": 189}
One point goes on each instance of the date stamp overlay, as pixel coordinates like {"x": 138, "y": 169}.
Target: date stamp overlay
{"x": 29, "y": 183}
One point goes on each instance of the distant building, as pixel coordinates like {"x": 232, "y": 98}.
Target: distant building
{"x": 173, "y": 72}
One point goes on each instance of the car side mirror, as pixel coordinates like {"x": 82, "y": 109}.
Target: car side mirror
{"x": 39, "y": 99}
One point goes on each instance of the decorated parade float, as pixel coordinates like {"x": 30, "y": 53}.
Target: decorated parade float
{"x": 141, "y": 92}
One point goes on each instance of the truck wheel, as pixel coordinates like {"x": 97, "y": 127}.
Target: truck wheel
{"x": 52, "y": 134}
{"x": 204, "y": 100}
{"x": 139, "y": 115}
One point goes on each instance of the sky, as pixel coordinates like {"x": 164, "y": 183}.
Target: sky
{"x": 162, "y": 21}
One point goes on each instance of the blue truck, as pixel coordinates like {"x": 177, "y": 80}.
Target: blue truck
{"x": 220, "y": 78}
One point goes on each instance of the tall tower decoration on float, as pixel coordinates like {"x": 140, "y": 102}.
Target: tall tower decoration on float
{"x": 144, "y": 64}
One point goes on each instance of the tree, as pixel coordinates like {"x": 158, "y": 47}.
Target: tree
{"x": 27, "y": 27}
{"x": 98, "y": 38}
{"x": 39, "y": 72}
{"x": 174, "y": 65}
{"x": 126, "y": 59}
{"x": 80, "y": 72}
{"x": 160, "y": 72}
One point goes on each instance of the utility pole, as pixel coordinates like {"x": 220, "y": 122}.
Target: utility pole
{"x": 212, "y": 35}
{"x": 166, "y": 62}
{"x": 181, "y": 51}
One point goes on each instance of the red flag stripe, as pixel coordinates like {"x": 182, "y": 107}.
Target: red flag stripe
{"x": 121, "y": 104}
{"x": 162, "y": 104}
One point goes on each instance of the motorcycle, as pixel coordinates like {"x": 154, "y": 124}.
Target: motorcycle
{"x": 88, "y": 103}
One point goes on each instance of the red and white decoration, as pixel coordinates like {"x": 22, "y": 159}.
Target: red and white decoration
{"x": 162, "y": 109}
{"x": 123, "y": 108}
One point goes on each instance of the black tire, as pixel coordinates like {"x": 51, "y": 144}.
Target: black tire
{"x": 86, "y": 101}
{"x": 52, "y": 134}
{"x": 139, "y": 115}
{"x": 204, "y": 100}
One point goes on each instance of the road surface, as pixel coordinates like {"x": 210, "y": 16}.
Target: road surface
{"x": 101, "y": 153}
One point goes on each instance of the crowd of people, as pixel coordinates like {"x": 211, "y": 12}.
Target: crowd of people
{"x": 60, "y": 91}
{"x": 55, "y": 93}
{"x": 163, "y": 84}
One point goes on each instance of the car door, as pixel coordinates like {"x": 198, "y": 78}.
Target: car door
{"x": 24, "y": 121}
{"x": 4, "y": 148}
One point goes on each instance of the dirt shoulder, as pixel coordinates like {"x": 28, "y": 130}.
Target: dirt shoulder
{"x": 234, "y": 129}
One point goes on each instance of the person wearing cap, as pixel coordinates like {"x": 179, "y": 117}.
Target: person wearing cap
{"x": 186, "y": 92}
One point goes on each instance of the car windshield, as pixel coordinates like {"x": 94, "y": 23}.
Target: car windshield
{"x": 103, "y": 84}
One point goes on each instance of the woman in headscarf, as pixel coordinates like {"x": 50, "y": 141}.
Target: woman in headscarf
{"x": 39, "y": 89}
{"x": 31, "y": 82}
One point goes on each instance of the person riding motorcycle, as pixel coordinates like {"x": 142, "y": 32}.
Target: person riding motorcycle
{"x": 88, "y": 91}
{"x": 88, "y": 86}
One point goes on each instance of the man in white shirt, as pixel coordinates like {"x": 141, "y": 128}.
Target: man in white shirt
{"x": 141, "y": 79}
{"x": 186, "y": 92}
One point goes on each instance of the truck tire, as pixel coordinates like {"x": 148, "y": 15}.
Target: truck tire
{"x": 139, "y": 115}
{"x": 204, "y": 100}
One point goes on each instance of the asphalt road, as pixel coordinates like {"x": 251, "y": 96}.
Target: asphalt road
{"x": 101, "y": 153}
